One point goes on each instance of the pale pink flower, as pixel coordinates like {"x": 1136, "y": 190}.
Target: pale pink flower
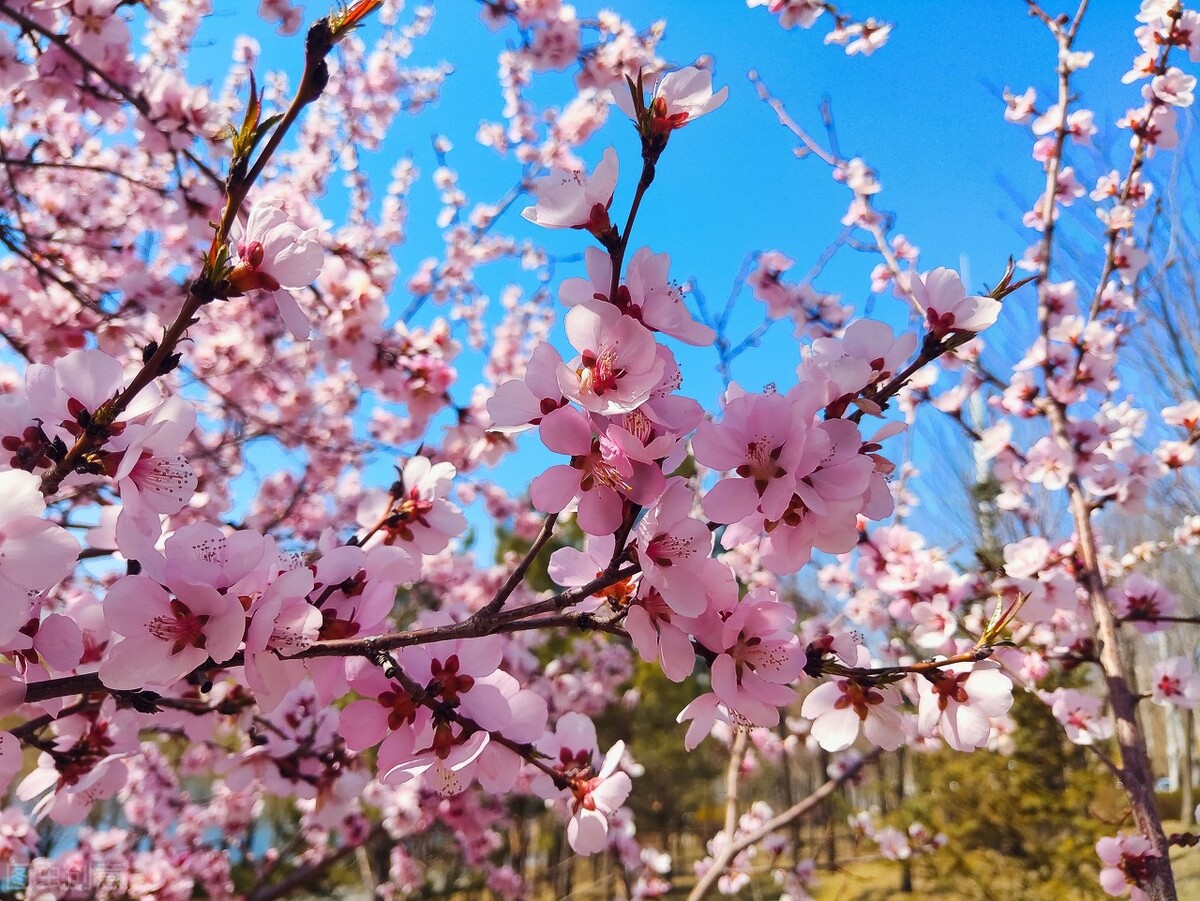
{"x": 1019, "y": 107}
{"x": 1126, "y": 860}
{"x": 647, "y": 294}
{"x": 166, "y": 637}
{"x": 288, "y": 16}
{"x": 948, "y": 309}
{"x": 1174, "y": 87}
{"x": 1139, "y": 601}
{"x": 416, "y": 512}
{"x": 570, "y": 198}
{"x": 34, "y": 553}
{"x": 676, "y": 99}
{"x": 281, "y": 623}
{"x": 1079, "y": 715}
{"x": 935, "y": 623}
{"x": 840, "y": 707}
{"x": 595, "y": 801}
{"x": 521, "y": 403}
{"x": 1174, "y": 682}
{"x": 860, "y": 37}
{"x": 273, "y": 253}
{"x": 867, "y": 353}
{"x": 1048, "y": 464}
{"x": 792, "y": 12}
{"x": 893, "y": 844}
{"x": 960, "y": 701}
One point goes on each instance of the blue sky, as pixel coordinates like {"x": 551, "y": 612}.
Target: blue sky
{"x": 925, "y": 112}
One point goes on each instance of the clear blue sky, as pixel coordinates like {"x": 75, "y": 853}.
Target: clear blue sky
{"x": 924, "y": 111}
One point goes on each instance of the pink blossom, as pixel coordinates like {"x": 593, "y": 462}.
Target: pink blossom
{"x": 893, "y": 844}
{"x": 271, "y": 253}
{"x": 653, "y": 629}
{"x": 672, "y": 548}
{"x": 761, "y": 440}
{"x": 676, "y": 99}
{"x": 570, "y": 198}
{"x": 1126, "y": 860}
{"x": 521, "y": 403}
{"x": 948, "y": 310}
{"x": 165, "y": 637}
{"x": 602, "y": 473}
{"x": 34, "y": 553}
{"x": 646, "y": 294}
{"x": 617, "y": 366}
{"x": 840, "y": 707}
{"x": 1080, "y": 715}
{"x": 595, "y": 801}
{"x": 960, "y": 700}
{"x": 1174, "y": 681}
{"x": 758, "y": 658}
{"x": 416, "y": 513}
{"x": 1139, "y": 601}
{"x": 867, "y": 353}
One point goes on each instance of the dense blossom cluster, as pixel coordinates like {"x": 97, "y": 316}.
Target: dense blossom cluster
{"x": 332, "y": 641}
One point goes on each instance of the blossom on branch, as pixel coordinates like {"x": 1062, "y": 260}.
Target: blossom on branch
{"x": 273, "y": 254}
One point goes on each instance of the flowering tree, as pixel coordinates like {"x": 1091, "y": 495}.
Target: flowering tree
{"x": 180, "y": 315}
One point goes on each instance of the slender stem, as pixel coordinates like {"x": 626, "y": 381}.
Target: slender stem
{"x": 517, "y": 576}
{"x": 735, "y": 847}
{"x": 1136, "y": 773}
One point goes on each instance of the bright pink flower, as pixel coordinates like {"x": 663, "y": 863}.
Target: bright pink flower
{"x": 387, "y": 713}
{"x": 961, "y": 700}
{"x": 832, "y": 487}
{"x": 273, "y": 253}
{"x": 647, "y": 294}
{"x": 618, "y": 364}
{"x": 571, "y": 748}
{"x": 601, "y": 473}
{"x": 760, "y": 440}
{"x": 166, "y": 637}
{"x": 672, "y": 549}
{"x": 651, "y": 627}
{"x": 570, "y": 198}
{"x": 521, "y": 403}
{"x": 758, "y": 657}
